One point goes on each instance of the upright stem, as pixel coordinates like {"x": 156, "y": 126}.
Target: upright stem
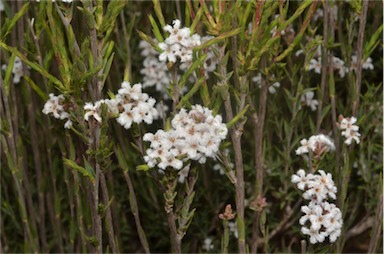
{"x": 259, "y": 124}
{"x": 332, "y": 88}
{"x": 169, "y": 197}
{"x": 135, "y": 212}
{"x": 108, "y": 216}
{"x": 377, "y": 229}
{"x": 360, "y": 55}
{"x": 236, "y": 132}
{"x": 324, "y": 66}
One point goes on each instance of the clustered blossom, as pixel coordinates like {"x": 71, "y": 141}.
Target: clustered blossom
{"x": 155, "y": 72}
{"x": 308, "y": 100}
{"x": 349, "y": 130}
{"x": 56, "y": 106}
{"x": 210, "y": 61}
{"x": 195, "y": 135}
{"x": 130, "y": 103}
{"x": 317, "y": 144}
{"x": 321, "y": 219}
{"x": 317, "y": 187}
{"x": 17, "y": 70}
{"x": 179, "y": 43}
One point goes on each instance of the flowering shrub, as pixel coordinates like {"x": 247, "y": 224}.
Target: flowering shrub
{"x": 183, "y": 122}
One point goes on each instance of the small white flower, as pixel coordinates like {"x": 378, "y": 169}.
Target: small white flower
{"x": 92, "y": 110}
{"x": 68, "y": 124}
{"x": 368, "y": 64}
{"x": 304, "y": 148}
{"x": 349, "y": 130}
{"x": 308, "y": 100}
{"x": 301, "y": 179}
{"x": 207, "y": 246}
{"x": 315, "y": 235}
{"x": 338, "y": 64}
{"x": 183, "y": 174}
{"x": 315, "y": 65}
{"x": 233, "y": 229}
{"x": 272, "y": 88}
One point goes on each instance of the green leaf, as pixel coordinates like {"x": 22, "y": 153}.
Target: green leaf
{"x": 37, "y": 89}
{"x": 142, "y": 167}
{"x": 190, "y": 93}
{"x": 8, "y": 74}
{"x": 237, "y": 117}
{"x": 85, "y": 172}
{"x": 9, "y": 24}
{"x": 198, "y": 62}
{"x": 155, "y": 29}
{"x": 33, "y": 65}
{"x": 219, "y": 38}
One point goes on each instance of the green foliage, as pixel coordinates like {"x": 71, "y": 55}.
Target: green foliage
{"x": 61, "y": 188}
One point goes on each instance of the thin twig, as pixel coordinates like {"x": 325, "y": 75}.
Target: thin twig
{"x": 135, "y": 212}
{"x": 359, "y": 57}
{"x": 258, "y": 120}
{"x": 108, "y": 216}
{"x": 324, "y": 66}
{"x": 236, "y": 132}
{"x": 377, "y": 229}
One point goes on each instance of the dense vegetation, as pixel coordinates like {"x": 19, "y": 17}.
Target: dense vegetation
{"x": 240, "y": 95}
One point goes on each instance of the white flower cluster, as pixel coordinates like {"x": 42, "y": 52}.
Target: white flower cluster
{"x": 195, "y": 135}
{"x": 17, "y": 70}
{"x": 179, "y": 43}
{"x": 308, "y": 100}
{"x": 210, "y": 61}
{"x": 55, "y": 106}
{"x": 155, "y": 72}
{"x": 321, "y": 219}
{"x": 317, "y": 144}
{"x": 130, "y": 103}
{"x": 317, "y": 187}
{"x": 349, "y": 130}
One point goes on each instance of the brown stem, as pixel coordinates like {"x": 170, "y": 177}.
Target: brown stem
{"x": 258, "y": 133}
{"x": 360, "y": 55}
{"x": 169, "y": 196}
{"x": 236, "y": 132}
{"x": 377, "y": 229}
{"x": 135, "y": 212}
{"x": 108, "y": 222}
{"x": 324, "y": 66}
